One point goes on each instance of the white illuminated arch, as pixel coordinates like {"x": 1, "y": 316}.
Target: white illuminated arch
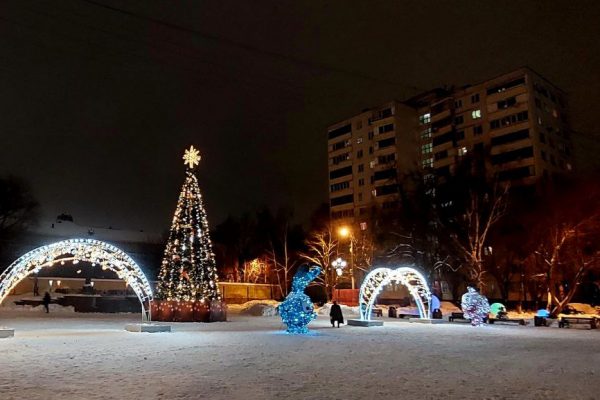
{"x": 89, "y": 250}
{"x": 411, "y": 278}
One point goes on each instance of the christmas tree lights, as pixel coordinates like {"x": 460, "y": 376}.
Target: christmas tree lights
{"x": 475, "y": 306}
{"x": 297, "y": 309}
{"x": 188, "y": 270}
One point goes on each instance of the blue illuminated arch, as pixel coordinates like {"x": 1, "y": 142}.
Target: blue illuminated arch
{"x": 408, "y": 276}
{"x": 88, "y": 250}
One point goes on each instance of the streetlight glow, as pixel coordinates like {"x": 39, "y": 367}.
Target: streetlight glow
{"x": 344, "y": 231}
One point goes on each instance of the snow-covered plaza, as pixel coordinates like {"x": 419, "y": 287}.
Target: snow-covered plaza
{"x": 78, "y": 356}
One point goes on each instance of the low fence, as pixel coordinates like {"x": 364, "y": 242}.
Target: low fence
{"x": 348, "y": 297}
{"x": 231, "y": 292}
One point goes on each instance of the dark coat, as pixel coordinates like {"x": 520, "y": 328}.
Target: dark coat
{"x": 47, "y": 299}
{"x": 336, "y": 313}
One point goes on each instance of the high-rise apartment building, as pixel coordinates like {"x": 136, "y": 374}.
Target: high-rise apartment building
{"x": 517, "y": 122}
{"x": 367, "y": 155}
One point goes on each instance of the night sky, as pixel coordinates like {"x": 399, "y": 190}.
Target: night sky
{"x": 98, "y": 99}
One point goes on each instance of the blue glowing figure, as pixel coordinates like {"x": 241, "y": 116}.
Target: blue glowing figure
{"x": 297, "y": 310}
{"x": 543, "y": 313}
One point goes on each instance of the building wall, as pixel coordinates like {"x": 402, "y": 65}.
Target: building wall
{"x": 368, "y": 153}
{"x": 516, "y": 122}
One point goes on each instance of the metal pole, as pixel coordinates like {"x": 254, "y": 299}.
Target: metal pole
{"x": 352, "y": 261}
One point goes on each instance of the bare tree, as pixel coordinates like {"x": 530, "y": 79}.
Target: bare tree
{"x": 567, "y": 252}
{"x": 282, "y": 264}
{"x": 321, "y": 249}
{"x": 17, "y": 206}
{"x": 483, "y": 210}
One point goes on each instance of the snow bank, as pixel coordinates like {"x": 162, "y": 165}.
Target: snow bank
{"x": 585, "y": 308}
{"x": 449, "y": 308}
{"x": 54, "y": 308}
{"x": 257, "y": 308}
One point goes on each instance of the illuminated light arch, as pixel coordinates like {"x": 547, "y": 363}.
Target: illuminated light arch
{"x": 75, "y": 250}
{"x": 378, "y": 278}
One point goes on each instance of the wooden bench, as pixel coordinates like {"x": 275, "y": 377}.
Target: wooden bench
{"x": 568, "y": 321}
{"x": 378, "y": 312}
{"x": 409, "y": 316}
{"x": 460, "y": 317}
{"x": 457, "y": 316}
{"x": 507, "y": 320}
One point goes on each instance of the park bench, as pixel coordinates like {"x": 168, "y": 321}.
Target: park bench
{"x": 409, "y": 316}
{"x": 457, "y": 317}
{"x": 378, "y": 312}
{"x": 568, "y": 321}
{"x": 519, "y": 321}
{"x": 460, "y": 317}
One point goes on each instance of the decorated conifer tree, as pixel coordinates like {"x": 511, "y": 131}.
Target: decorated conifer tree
{"x": 188, "y": 270}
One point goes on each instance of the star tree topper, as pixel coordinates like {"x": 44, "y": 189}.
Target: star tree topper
{"x": 191, "y": 157}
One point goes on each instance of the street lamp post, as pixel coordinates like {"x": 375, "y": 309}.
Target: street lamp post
{"x": 346, "y": 232}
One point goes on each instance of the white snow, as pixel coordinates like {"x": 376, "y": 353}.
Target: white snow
{"x": 258, "y": 308}
{"x": 90, "y": 356}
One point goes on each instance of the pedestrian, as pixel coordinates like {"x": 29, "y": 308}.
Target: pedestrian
{"x": 36, "y": 289}
{"x": 336, "y": 315}
{"x": 46, "y": 302}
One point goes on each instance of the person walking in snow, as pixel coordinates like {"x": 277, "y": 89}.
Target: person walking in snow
{"x": 335, "y": 313}
{"x": 46, "y": 302}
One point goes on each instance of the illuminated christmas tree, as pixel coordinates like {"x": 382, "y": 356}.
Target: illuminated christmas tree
{"x": 188, "y": 270}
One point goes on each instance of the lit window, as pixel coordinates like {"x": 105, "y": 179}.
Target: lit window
{"x": 425, "y": 119}
{"x": 359, "y": 140}
{"x": 426, "y": 134}
{"x": 462, "y": 151}
{"x": 427, "y": 148}
{"x": 428, "y": 163}
{"x": 476, "y": 114}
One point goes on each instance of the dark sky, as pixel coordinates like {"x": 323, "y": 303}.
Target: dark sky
{"x": 98, "y": 99}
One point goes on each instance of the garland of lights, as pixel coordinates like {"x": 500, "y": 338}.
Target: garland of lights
{"x": 378, "y": 278}
{"x": 475, "y": 306}
{"x": 76, "y": 250}
{"x": 297, "y": 310}
{"x": 188, "y": 270}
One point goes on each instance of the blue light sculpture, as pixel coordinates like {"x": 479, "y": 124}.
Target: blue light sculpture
{"x": 297, "y": 310}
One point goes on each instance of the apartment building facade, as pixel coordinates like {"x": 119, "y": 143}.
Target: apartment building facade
{"x": 517, "y": 122}
{"x": 368, "y": 154}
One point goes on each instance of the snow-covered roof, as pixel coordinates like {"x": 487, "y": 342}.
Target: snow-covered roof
{"x": 64, "y": 227}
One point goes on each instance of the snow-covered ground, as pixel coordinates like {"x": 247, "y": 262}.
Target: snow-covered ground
{"x": 68, "y": 355}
